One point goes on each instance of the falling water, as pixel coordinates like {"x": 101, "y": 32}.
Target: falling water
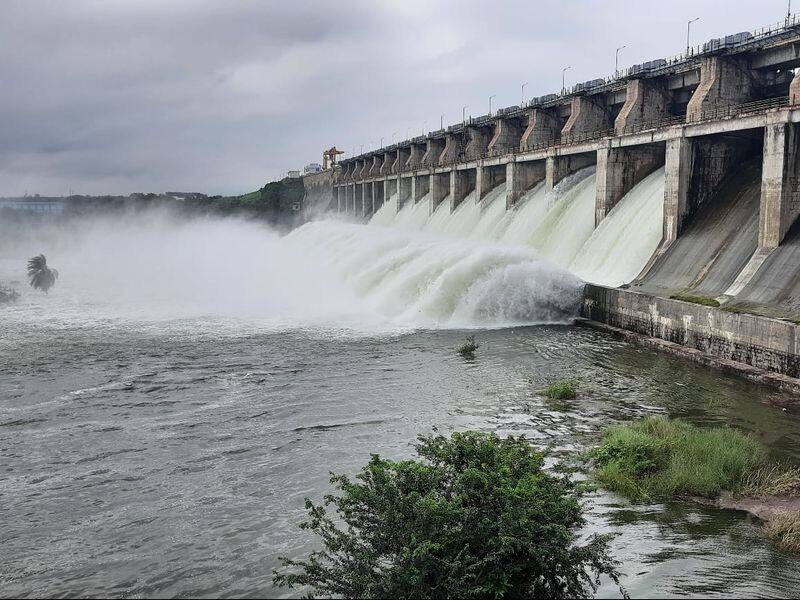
{"x": 625, "y": 240}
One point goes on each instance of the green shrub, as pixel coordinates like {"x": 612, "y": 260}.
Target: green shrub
{"x": 467, "y": 349}
{"x": 477, "y": 517}
{"x": 562, "y": 389}
{"x": 660, "y": 458}
{"x": 695, "y": 299}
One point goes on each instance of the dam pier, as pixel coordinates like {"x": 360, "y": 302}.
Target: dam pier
{"x": 720, "y": 120}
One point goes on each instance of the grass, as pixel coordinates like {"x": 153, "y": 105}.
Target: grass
{"x": 467, "y": 349}
{"x": 695, "y": 299}
{"x": 562, "y": 389}
{"x": 659, "y": 458}
{"x": 771, "y": 480}
{"x": 784, "y": 529}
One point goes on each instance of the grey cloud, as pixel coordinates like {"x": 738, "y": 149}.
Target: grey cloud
{"x": 221, "y": 96}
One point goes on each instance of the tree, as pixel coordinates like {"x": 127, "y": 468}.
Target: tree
{"x": 476, "y": 518}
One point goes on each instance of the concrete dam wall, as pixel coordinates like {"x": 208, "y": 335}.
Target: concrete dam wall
{"x": 680, "y": 177}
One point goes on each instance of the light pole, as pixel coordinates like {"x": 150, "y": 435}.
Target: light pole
{"x": 688, "y": 30}
{"x": 394, "y": 134}
{"x": 463, "y": 113}
{"x": 424, "y": 123}
{"x": 523, "y": 93}
{"x": 362, "y": 149}
{"x": 441, "y": 121}
{"x": 789, "y": 13}
{"x": 408, "y": 133}
{"x": 563, "y": 85}
{"x": 616, "y": 60}
{"x": 382, "y": 140}
{"x": 490, "y": 103}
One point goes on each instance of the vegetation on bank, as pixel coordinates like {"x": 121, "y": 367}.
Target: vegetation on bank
{"x": 705, "y": 301}
{"x": 475, "y": 517}
{"x": 658, "y": 458}
{"x": 562, "y": 389}
{"x": 468, "y": 348}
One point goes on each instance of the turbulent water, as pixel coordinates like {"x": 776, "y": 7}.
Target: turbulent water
{"x": 167, "y": 407}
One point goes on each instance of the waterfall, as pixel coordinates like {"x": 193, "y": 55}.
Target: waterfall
{"x": 620, "y": 247}
{"x": 418, "y": 278}
{"x": 485, "y": 264}
{"x": 569, "y": 222}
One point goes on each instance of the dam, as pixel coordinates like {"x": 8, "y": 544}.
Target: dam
{"x": 670, "y": 188}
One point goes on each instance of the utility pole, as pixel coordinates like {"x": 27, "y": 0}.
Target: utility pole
{"x": 563, "y": 84}
{"x": 616, "y": 60}
{"x": 688, "y": 30}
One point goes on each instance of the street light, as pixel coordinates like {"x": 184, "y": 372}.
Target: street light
{"x": 490, "y": 103}
{"x": 424, "y": 124}
{"x": 523, "y": 93}
{"x": 688, "y": 29}
{"x": 382, "y": 140}
{"x": 441, "y": 121}
{"x": 463, "y": 113}
{"x": 616, "y": 60}
{"x": 789, "y": 13}
{"x": 563, "y": 86}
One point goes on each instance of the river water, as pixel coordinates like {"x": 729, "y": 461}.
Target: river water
{"x": 167, "y": 407}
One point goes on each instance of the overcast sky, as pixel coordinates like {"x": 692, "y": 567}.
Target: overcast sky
{"x": 116, "y": 96}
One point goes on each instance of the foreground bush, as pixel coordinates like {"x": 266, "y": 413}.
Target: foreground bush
{"x": 660, "y": 458}
{"x": 477, "y": 517}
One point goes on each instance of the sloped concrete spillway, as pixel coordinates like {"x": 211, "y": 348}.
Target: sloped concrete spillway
{"x": 716, "y": 245}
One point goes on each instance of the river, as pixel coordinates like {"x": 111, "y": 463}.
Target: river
{"x": 167, "y": 406}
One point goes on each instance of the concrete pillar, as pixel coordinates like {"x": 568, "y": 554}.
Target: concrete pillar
{"x": 401, "y": 159}
{"x": 339, "y": 199}
{"x": 462, "y": 182}
{"x": 646, "y": 103}
{"x": 780, "y": 193}
{"x": 420, "y": 186}
{"x": 724, "y": 83}
{"x": 415, "y": 154}
{"x": 487, "y": 177}
{"x": 366, "y": 199}
{"x": 543, "y": 129}
{"x": 588, "y": 115}
{"x": 478, "y": 139}
{"x": 677, "y": 178}
{"x": 559, "y": 167}
{"x": 521, "y": 177}
{"x": 404, "y": 188}
{"x": 794, "y": 89}
{"x": 618, "y": 170}
{"x": 506, "y": 138}
{"x": 453, "y": 149}
{"x": 433, "y": 152}
{"x": 375, "y": 169}
{"x": 389, "y": 158}
{"x": 439, "y": 188}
